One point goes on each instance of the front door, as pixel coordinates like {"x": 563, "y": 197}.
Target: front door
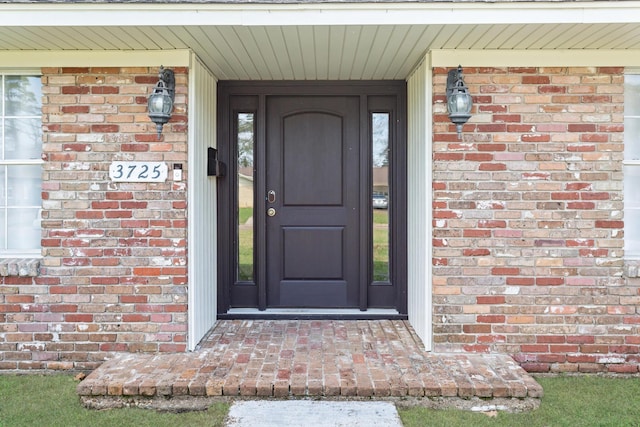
{"x": 311, "y": 212}
{"x": 313, "y": 196}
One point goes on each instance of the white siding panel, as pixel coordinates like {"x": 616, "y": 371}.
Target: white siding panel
{"x": 202, "y": 268}
{"x": 419, "y": 201}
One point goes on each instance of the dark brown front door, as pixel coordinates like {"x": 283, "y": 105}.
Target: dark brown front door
{"x": 312, "y": 210}
{"x": 313, "y": 188}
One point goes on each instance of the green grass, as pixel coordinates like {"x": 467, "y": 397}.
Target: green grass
{"x": 245, "y": 254}
{"x": 245, "y": 246}
{"x": 244, "y": 214}
{"x": 380, "y": 245}
{"x": 587, "y": 401}
{"x": 381, "y": 216}
{"x": 35, "y": 400}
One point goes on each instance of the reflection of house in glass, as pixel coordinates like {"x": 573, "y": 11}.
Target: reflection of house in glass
{"x": 245, "y": 187}
{"x": 381, "y": 180}
{"x": 381, "y": 187}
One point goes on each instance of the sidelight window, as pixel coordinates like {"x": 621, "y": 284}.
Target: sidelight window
{"x": 245, "y": 193}
{"x": 381, "y": 201}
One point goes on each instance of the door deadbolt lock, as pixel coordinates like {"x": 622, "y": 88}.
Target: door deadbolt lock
{"x": 271, "y": 196}
{"x": 271, "y": 212}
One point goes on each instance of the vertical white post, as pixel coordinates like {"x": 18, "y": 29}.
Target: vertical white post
{"x": 201, "y": 205}
{"x": 419, "y": 209}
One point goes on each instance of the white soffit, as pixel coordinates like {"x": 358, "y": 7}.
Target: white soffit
{"x": 319, "y": 40}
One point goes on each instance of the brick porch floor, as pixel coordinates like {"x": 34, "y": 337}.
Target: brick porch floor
{"x": 310, "y": 358}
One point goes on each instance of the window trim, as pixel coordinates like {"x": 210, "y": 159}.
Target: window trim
{"x": 21, "y": 262}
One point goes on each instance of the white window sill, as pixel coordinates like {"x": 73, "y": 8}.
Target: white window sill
{"x": 22, "y": 267}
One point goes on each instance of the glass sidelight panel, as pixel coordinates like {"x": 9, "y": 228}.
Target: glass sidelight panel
{"x": 380, "y": 195}
{"x": 245, "y": 193}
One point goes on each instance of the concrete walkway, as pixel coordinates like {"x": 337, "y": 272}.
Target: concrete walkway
{"x": 301, "y": 359}
{"x": 312, "y": 413}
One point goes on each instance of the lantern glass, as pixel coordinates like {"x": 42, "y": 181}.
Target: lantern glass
{"x": 459, "y": 102}
{"x": 160, "y": 103}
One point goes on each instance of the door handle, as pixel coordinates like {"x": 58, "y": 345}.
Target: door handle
{"x": 271, "y": 212}
{"x": 271, "y": 196}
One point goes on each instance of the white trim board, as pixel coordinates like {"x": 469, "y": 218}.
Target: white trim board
{"x": 539, "y": 58}
{"x": 172, "y": 14}
{"x": 22, "y": 59}
{"x": 93, "y": 58}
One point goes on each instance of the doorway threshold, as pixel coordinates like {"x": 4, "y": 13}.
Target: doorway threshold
{"x": 313, "y": 313}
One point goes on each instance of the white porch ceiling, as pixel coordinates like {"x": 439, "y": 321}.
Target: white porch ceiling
{"x": 253, "y": 47}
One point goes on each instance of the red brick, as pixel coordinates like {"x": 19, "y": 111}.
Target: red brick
{"x": 105, "y": 128}
{"x": 79, "y": 317}
{"x": 552, "y": 89}
{"x": 448, "y": 157}
{"x": 63, "y": 289}
{"x": 520, "y": 281}
{"x": 582, "y": 127}
{"x": 63, "y": 308}
{"x": 492, "y": 167}
{"x": 79, "y": 109}
{"x": 476, "y": 252}
{"x": 135, "y": 147}
{"x": 476, "y": 329}
{"x": 135, "y": 318}
{"x": 75, "y": 90}
{"x": 536, "y": 80}
{"x": 491, "y": 318}
{"x": 494, "y": 299}
{"x": 536, "y": 138}
{"x": 478, "y": 157}
{"x": 623, "y": 369}
{"x": 609, "y": 224}
{"x": 147, "y": 271}
{"x": 100, "y": 90}
{"x": 594, "y": 348}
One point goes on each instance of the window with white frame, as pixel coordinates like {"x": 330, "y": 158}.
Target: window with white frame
{"x": 20, "y": 164}
{"x": 632, "y": 165}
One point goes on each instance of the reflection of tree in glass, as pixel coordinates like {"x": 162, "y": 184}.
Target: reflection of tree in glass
{"x": 380, "y": 133}
{"x": 22, "y": 97}
{"x": 245, "y": 140}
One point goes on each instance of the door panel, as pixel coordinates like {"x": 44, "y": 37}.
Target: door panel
{"x": 313, "y": 159}
{"x": 313, "y": 253}
{"x": 312, "y": 166}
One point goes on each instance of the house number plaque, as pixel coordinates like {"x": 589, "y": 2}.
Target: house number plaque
{"x": 138, "y": 171}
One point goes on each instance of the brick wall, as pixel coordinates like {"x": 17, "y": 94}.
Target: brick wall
{"x": 528, "y": 230}
{"x": 528, "y": 221}
{"x": 113, "y": 276}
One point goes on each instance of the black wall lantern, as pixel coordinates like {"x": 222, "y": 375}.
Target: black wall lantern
{"x": 161, "y": 100}
{"x": 458, "y": 99}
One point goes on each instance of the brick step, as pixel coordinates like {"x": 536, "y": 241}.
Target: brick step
{"x": 307, "y": 358}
